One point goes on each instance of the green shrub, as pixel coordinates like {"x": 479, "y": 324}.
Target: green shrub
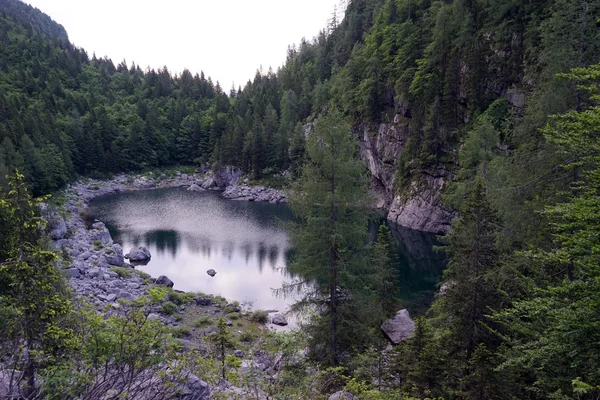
{"x": 181, "y": 298}
{"x": 157, "y": 294}
{"x": 181, "y": 331}
{"x": 259, "y": 316}
{"x": 204, "y": 320}
{"x": 122, "y": 272}
{"x": 233, "y": 316}
{"x": 169, "y": 308}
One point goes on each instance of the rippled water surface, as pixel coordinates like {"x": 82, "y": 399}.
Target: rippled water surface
{"x": 246, "y": 243}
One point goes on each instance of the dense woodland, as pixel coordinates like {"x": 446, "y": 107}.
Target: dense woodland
{"x": 501, "y": 93}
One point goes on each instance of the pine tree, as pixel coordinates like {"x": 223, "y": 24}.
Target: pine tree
{"x": 330, "y": 237}
{"x": 472, "y": 293}
{"x": 223, "y": 340}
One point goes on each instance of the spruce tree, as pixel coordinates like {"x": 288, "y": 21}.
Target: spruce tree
{"x": 330, "y": 236}
{"x": 471, "y": 295}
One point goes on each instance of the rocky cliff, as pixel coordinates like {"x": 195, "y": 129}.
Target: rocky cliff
{"x": 418, "y": 206}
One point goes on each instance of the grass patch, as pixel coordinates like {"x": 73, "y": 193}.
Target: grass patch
{"x": 233, "y": 316}
{"x": 141, "y": 274}
{"x": 202, "y": 321}
{"x": 122, "y": 272}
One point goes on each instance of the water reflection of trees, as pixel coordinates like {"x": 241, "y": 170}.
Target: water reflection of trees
{"x": 166, "y": 241}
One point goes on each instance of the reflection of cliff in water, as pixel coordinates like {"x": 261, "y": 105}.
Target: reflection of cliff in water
{"x": 419, "y": 265}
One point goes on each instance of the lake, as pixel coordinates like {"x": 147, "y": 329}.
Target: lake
{"x": 246, "y": 243}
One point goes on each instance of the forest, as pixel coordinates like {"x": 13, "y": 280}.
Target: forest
{"x": 502, "y": 94}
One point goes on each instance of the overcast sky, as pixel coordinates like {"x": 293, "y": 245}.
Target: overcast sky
{"x": 228, "y": 39}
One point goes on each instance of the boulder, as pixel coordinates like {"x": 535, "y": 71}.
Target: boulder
{"x": 202, "y": 301}
{"x": 125, "y": 295}
{"x": 102, "y": 234}
{"x": 58, "y": 227}
{"x": 239, "y": 353}
{"x": 279, "y": 319}
{"x": 72, "y": 273}
{"x": 140, "y": 254}
{"x": 211, "y": 272}
{"x": 195, "y": 389}
{"x": 164, "y": 281}
{"x": 194, "y": 188}
{"x": 342, "y": 395}
{"x": 398, "y": 328}
{"x": 115, "y": 256}
{"x": 209, "y": 184}
{"x": 95, "y": 273}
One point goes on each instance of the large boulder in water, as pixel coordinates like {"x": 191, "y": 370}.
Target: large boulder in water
{"x": 398, "y": 328}
{"x": 141, "y": 254}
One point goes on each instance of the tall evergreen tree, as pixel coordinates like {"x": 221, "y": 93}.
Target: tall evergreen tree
{"x": 330, "y": 237}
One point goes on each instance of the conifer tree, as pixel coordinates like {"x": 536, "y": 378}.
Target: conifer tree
{"x": 330, "y": 237}
{"x": 471, "y": 295}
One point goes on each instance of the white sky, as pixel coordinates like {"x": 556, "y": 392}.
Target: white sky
{"x": 227, "y": 39}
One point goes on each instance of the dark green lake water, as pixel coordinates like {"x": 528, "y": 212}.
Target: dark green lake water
{"x": 246, "y": 243}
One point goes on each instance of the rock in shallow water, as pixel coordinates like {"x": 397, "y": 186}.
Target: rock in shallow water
{"x": 140, "y": 254}
{"x": 211, "y": 272}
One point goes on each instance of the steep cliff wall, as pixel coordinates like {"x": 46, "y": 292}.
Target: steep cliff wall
{"x": 418, "y": 206}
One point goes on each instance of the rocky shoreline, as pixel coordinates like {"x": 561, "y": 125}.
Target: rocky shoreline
{"x": 95, "y": 259}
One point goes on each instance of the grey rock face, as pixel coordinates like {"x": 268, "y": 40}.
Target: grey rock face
{"x": 227, "y": 176}
{"x": 398, "y": 328}
{"x": 279, "y": 319}
{"x": 423, "y": 210}
{"x": 140, "y": 254}
{"x": 211, "y": 272}
{"x": 420, "y": 206}
{"x": 164, "y": 281}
